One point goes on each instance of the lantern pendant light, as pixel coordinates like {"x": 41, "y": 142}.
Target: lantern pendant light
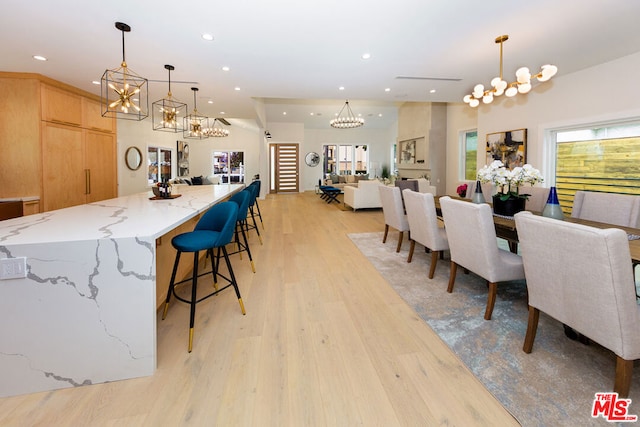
{"x": 123, "y": 93}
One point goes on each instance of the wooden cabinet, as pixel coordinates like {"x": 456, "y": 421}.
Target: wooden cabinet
{"x": 55, "y": 144}
{"x": 63, "y": 167}
{"x": 92, "y": 117}
{"x": 60, "y": 106}
{"x": 79, "y": 166}
{"x": 100, "y": 161}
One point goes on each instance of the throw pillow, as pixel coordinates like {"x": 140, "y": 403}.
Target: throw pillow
{"x": 334, "y": 178}
{"x": 342, "y": 179}
{"x": 196, "y": 180}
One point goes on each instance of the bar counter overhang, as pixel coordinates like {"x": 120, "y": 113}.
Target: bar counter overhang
{"x": 86, "y": 312}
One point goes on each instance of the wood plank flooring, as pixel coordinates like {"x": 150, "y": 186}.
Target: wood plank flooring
{"x": 325, "y": 342}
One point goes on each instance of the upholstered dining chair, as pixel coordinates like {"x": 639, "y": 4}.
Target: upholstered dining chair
{"x": 474, "y": 246}
{"x": 582, "y": 277}
{"x": 393, "y": 212}
{"x": 424, "y": 227}
{"x": 611, "y": 208}
{"x": 537, "y": 197}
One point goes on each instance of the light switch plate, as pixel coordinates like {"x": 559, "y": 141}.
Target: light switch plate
{"x": 13, "y": 268}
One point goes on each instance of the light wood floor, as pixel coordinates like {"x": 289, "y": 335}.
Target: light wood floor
{"x": 325, "y": 342}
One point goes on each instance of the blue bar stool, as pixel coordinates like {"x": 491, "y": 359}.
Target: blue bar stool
{"x": 242, "y": 199}
{"x": 253, "y": 191}
{"x": 257, "y": 184}
{"x": 214, "y": 230}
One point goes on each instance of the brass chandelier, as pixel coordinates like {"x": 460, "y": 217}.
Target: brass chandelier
{"x": 500, "y": 86}
{"x": 166, "y": 112}
{"x": 124, "y": 94}
{"x": 348, "y": 120}
{"x": 195, "y": 125}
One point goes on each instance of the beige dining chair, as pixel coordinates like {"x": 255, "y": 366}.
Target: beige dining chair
{"x": 537, "y": 197}
{"x": 393, "y": 211}
{"x": 488, "y": 190}
{"x": 582, "y": 277}
{"x": 473, "y": 245}
{"x": 611, "y": 208}
{"x": 424, "y": 227}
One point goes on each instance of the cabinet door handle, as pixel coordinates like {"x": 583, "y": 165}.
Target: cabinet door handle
{"x": 87, "y": 181}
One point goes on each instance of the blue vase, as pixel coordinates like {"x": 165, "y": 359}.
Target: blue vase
{"x": 553, "y": 209}
{"x": 477, "y": 196}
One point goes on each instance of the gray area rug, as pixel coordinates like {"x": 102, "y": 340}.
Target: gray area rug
{"x": 553, "y": 386}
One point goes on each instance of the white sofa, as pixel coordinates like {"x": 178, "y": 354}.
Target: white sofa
{"x": 365, "y": 195}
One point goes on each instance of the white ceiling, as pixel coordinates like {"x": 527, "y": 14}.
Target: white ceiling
{"x": 294, "y": 55}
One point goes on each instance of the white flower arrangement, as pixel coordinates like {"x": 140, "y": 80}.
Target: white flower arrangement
{"x": 508, "y": 181}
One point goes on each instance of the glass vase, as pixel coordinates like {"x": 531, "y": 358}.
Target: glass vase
{"x": 477, "y": 196}
{"x": 553, "y": 209}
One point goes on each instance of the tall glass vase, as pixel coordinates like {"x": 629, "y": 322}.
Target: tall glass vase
{"x": 477, "y": 196}
{"x": 553, "y": 209}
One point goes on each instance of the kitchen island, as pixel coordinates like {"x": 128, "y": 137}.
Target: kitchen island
{"x": 85, "y": 312}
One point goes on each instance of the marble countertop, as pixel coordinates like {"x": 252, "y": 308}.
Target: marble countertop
{"x": 122, "y": 217}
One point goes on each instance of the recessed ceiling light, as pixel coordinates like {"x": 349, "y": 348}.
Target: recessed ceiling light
{"x": 95, "y": 82}
{"x": 237, "y": 88}
{"x": 39, "y": 57}
{"x": 222, "y": 112}
{"x": 284, "y": 113}
{"x": 311, "y": 114}
{"x": 380, "y": 115}
{"x": 341, "y": 88}
{"x": 366, "y": 55}
{"x": 207, "y": 37}
{"x": 387, "y": 89}
{"x": 432, "y": 91}
{"x": 225, "y": 68}
{"x": 210, "y": 101}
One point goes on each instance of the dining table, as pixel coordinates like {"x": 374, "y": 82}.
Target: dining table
{"x": 506, "y": 229}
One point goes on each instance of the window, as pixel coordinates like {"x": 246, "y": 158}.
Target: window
{"x": 469, "y": 159}
{"x": 229, "y": 165}
{"x": 597, "y": 159}
{"x": 345, "y": 159}
{"x": 158, "y": 164}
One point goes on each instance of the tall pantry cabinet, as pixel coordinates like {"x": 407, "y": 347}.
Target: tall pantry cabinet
{"x": 73, "y": 150}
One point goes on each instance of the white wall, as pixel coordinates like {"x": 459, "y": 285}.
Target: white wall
{"x": 243, "y": 137}
{"x": 606, "y": 92}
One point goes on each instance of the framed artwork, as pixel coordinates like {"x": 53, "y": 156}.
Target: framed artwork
{"x": 407, "y": 152}
{"x": 509, "y": 146}
{"x": 183, "y": 158}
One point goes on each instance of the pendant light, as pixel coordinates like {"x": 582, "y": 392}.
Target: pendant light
{"x": 346, "y": 119}
{"x": 123, "y": 93}
{"x": 168, "y": 113}
{"x": 195, "y": 125}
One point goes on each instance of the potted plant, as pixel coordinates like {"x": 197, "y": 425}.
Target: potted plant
{"x": 508, "y": 200}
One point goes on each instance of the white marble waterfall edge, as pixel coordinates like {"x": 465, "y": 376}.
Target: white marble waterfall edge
{"x": 86, "y": 312}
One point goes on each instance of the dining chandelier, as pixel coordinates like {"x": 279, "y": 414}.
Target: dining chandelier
{"x": 346, "y": 119}
{"x": 195, "y": 125}
{"x": 217, "y": 130}
{"x": 166, "y": 112}
{"x": 124, "y": 94}
{"x": 522, "y": 84}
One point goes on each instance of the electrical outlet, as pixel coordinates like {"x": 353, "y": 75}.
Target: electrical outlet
{"x": 13, "y": 268}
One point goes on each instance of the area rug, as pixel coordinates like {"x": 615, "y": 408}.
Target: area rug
{"x": 555, "y": 385}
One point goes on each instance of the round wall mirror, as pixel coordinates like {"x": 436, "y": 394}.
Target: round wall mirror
{"x": 133, "y": 158}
